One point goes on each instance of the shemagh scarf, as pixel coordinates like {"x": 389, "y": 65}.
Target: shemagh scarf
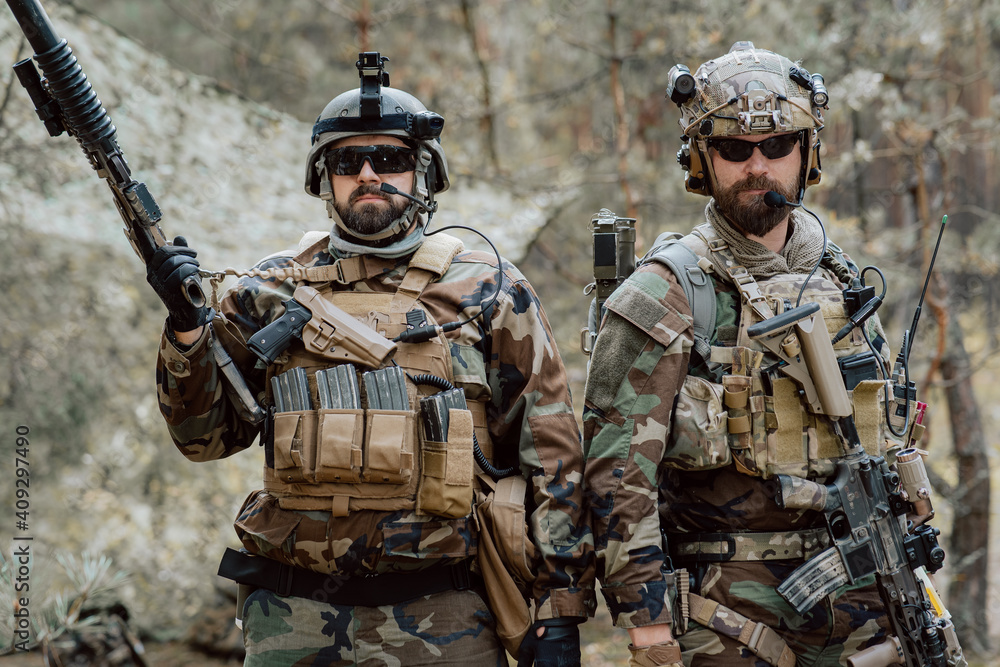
{"x": 341, "y": 247}
{"x": 800, "y": 254}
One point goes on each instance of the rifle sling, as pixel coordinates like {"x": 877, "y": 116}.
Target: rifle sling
{"x": 764, "y": 642}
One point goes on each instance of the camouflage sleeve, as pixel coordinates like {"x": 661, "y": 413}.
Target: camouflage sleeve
{"x": 637, "y": 367}
{"x": 200, "y": 418}
{"x": 530, "y": 393}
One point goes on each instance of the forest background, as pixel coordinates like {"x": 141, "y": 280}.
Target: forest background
{"x": 554, "y": 109}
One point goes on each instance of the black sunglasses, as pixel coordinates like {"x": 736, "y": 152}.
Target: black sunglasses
{"x": 384, "y": 159}
{"x": 738, "y": 150}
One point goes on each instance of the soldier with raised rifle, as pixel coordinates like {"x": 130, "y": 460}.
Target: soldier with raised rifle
{"x": 403, "y": 378}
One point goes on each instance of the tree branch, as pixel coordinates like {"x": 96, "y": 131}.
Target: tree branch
{"x": 7, "y": 90}
{"x": 486, "y": 122}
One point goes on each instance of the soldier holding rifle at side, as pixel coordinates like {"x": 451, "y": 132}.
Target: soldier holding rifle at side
{"x": 756, "y": 495}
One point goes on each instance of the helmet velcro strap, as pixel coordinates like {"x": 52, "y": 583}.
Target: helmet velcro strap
{"x": 397, "y": 121}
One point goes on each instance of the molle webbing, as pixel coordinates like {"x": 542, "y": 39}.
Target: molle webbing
{"x": 747, "y": 546}
{"x": 392, "y": 466}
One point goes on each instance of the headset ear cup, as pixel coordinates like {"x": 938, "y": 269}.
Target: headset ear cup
{"x": 815, "y": 172}
{"x": 696, "y": 180}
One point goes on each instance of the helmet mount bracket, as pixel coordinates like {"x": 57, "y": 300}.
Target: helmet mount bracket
{"x": 371, "y": 70}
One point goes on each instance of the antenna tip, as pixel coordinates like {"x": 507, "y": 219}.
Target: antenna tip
{"x": 944, "y": 220}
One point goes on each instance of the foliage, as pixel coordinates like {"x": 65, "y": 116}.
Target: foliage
{"x": 75, "y": 605}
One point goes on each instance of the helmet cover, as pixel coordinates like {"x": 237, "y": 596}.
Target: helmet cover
{"x": 749, "y": 91}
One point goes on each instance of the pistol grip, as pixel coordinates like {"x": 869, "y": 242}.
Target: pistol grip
{"x": 275, "y": 338}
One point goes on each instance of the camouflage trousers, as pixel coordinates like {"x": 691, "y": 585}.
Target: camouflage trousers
{"x": 849, "y": 620}
{"x": 449, "y": 628}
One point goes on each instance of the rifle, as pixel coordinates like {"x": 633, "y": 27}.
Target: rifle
{"x": 865, "y": 507}
{"x": 66, "y": 102}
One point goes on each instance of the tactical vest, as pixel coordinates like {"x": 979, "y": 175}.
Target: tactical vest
{"x": 756, "y": 419}
{"x": 343, "y": 460}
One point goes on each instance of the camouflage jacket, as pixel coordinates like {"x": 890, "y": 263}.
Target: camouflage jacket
{"x": 637, "y": 369}
{"x": 509, "y": 361}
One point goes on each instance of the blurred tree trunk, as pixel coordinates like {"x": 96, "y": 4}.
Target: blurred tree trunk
{"x": 482, "y": 56}
{"x": 622, "y": 137}
{"x": 969, "y": 549}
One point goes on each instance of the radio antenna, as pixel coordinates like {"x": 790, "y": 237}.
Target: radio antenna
{"x": 923, "y": 292}
{"x": 907, "y": 391}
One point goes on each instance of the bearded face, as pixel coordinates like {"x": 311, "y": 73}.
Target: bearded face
{"x": 743, "y": 203}
{"x": 369, "y": 217}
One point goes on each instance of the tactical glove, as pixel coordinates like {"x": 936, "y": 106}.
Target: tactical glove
{"x": 667, "y": 654}
{"x": 166, "y": 272}
{"x": 559, "y": 645}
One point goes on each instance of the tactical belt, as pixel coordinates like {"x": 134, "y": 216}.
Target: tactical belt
{"x": 747, "y": 546}
{"x": 373, "y": 591}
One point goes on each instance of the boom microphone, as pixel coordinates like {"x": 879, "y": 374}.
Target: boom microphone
{"x": 393, "y": 190}
{"x": 777, "y": 200}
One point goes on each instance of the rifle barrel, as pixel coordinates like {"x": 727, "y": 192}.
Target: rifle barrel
{"x": 35, "y": 24}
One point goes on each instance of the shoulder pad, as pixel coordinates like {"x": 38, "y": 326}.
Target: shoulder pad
{"x": 436, "y": 253}
{"x": 669, "y": 250}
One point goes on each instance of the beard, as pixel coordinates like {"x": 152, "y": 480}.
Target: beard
{"x": 369, "y": 218}
{"x": 752, "y": 216}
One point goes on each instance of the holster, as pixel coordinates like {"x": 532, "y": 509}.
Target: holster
{"x": 506, "y": 557}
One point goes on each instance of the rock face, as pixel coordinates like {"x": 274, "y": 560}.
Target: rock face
{"x": 226, "y": 172}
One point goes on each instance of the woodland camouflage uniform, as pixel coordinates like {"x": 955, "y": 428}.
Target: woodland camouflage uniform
{"x": 511, "y": 364}
{"x": 407, "y": 524}
{"x": 685, "y": 430}
{"x": 637, "y": 370}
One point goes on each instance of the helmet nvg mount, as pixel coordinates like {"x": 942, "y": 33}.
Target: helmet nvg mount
{"x": 376, "y": 109}
{"x": 745, "y": 92}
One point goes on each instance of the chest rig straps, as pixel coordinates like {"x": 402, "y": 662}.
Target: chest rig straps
{"x": 743, "y": 391}
{"x": 771, "y": 428}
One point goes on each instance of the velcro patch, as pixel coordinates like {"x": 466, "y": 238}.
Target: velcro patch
{"x": 639, "y": 300}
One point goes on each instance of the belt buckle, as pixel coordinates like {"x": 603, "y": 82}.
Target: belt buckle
{"x": 716, "y": 538}
{"x": 460, "y": 577}
{"x": 285, "y": 576}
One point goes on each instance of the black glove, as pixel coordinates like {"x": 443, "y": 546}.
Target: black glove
{"x": 166, "y": 272}
{"x": 559, "y": 645}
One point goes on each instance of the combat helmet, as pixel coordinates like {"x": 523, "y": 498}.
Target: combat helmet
{"x": 375, "y": 108}
{"x": 747, "y": 91}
